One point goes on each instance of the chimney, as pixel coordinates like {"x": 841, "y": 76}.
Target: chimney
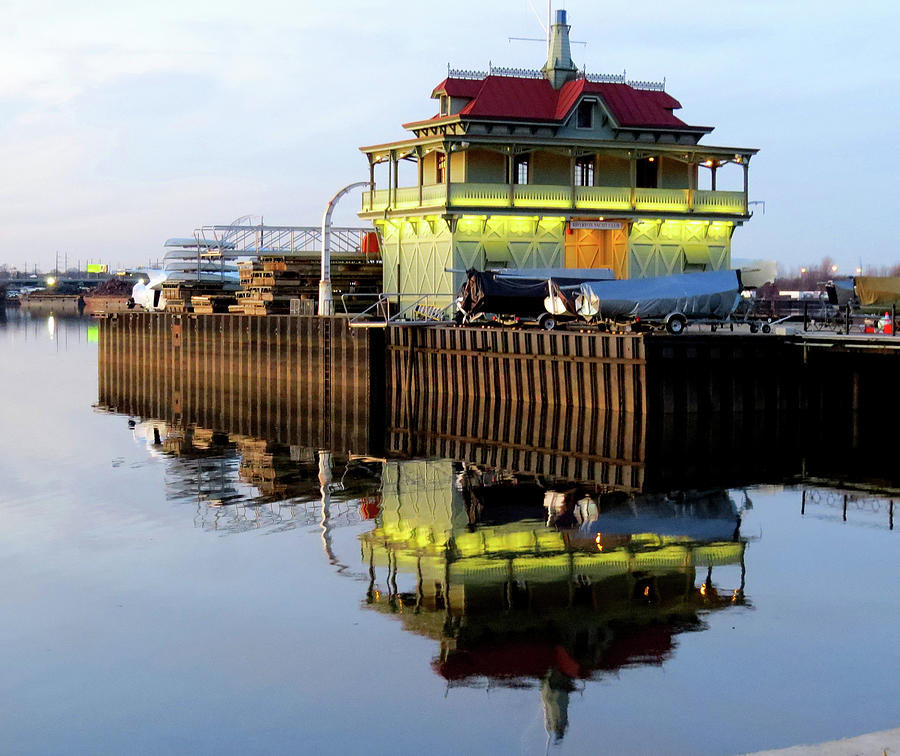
{"x": 559, "y": 67}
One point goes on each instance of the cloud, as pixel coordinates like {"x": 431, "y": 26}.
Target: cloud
{"x": 143, "y": 121}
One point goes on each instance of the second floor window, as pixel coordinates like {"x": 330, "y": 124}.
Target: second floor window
{"x": 521, "y": 172}
{"x": 440, "y": 167}
{"x": 584, "y": 172}
{"x": 647, "y": 173}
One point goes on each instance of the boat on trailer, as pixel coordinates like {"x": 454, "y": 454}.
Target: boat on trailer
{"x": 512, "y": 296}
{"x": 662, "y": 301}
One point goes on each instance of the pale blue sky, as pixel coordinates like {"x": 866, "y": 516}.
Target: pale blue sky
{"x": 124, "y": 124}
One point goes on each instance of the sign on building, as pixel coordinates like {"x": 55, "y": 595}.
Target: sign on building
{"x": 596, "y": 225}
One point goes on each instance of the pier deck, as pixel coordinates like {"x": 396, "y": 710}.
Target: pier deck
{"x": 428, "y": 371}
{"x": 631, "y": 410}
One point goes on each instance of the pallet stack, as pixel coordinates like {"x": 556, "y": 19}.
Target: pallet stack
{"x": 208, "y": 304}
{"x": 188, "y": 296}
{"x": 257, "y": 466}
{"x": 282, "y": 284}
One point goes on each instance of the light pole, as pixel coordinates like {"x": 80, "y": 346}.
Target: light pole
{"x": 326, "y": 301}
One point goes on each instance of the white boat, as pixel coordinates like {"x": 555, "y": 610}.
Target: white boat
{"x": 188, "y": 262}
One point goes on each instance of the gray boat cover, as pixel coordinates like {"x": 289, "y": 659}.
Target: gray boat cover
{"x": 695, "y": 295}
{"x": 557, "y": 274}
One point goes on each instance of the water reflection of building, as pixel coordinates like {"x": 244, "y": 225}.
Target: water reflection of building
{"x": 462, "y": 553}
{"x": 527, "y": 582}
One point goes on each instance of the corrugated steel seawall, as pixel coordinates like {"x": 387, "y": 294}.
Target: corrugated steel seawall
{"x": 560, "y": 404}
{"x": 633, "y": 411}
{"x": 312, "y": 382}
{"x": 703, "y": 372}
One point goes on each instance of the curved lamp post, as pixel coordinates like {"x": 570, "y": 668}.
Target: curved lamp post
{"x": 326, "y": 301}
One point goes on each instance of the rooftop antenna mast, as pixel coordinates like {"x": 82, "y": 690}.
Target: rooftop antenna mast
{"x": 547, "y": 28}
{"x": 549, "y": 21}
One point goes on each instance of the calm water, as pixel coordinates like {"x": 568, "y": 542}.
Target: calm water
{"x": 177, "y": 589}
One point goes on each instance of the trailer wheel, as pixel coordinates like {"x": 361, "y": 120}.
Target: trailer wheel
{"x": 547, "y": 322}
{"x": 766, "y": 328}
{"x": 753, "y": 328}
{"x": 676, "y": 324}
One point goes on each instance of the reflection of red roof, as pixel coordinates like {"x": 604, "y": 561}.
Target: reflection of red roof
{"x": 515, "y": 98}
{"x": 636, "y": 646}
{"x": 650, "y": 645}
{"x": 524, "y": 659}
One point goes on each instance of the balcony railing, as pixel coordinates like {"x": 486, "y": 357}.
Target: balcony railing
{"x": 554, "y": 197}
{"x": 603, "y": 197}
{"x": 677, "y": 200}
{"x": 719, "y": 202}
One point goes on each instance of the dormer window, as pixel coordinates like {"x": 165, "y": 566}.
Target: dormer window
{"x": 584, "y": 117}
{"x": 445, "y": 105}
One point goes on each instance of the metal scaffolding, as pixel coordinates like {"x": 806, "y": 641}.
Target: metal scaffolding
{"x": 244, "y": 237}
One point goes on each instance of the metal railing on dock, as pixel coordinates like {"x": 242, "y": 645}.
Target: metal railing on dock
{"x": 846, "y": 320}
{"x": 393, "y": 308}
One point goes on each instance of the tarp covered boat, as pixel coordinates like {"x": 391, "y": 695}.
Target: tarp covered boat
{"x": 877, "y": 291}
{"x": 518, "y": 293}
{"x": 712, "y": 295}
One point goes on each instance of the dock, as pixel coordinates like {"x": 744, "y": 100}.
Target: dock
{"x": 635, "y": 410}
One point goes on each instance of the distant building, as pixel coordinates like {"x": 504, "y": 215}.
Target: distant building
{"x": 552, "y": 168}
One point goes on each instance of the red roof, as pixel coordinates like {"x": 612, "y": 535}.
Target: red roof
{"x": 515, "y": 98}
{"x": 458, "y": 87}
{"x": 637, "y": 107}
{"x": 527, "y": 99}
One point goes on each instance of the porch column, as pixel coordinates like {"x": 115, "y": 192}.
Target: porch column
{"x": 447, "y": 157}
{"x": 692, "y": 184}
{"x": 572, "y": 179}
{"x": 390, "y": 186}
{"x": 371, "y": 182}
{"x": 420, "y": 156}
{"x": 511, "y": 175}
{"x": 746, "y": 166}
{"x": 632, "y": 178}
{"x": 395, "y": 170}
{"x": 712, "y": 176}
